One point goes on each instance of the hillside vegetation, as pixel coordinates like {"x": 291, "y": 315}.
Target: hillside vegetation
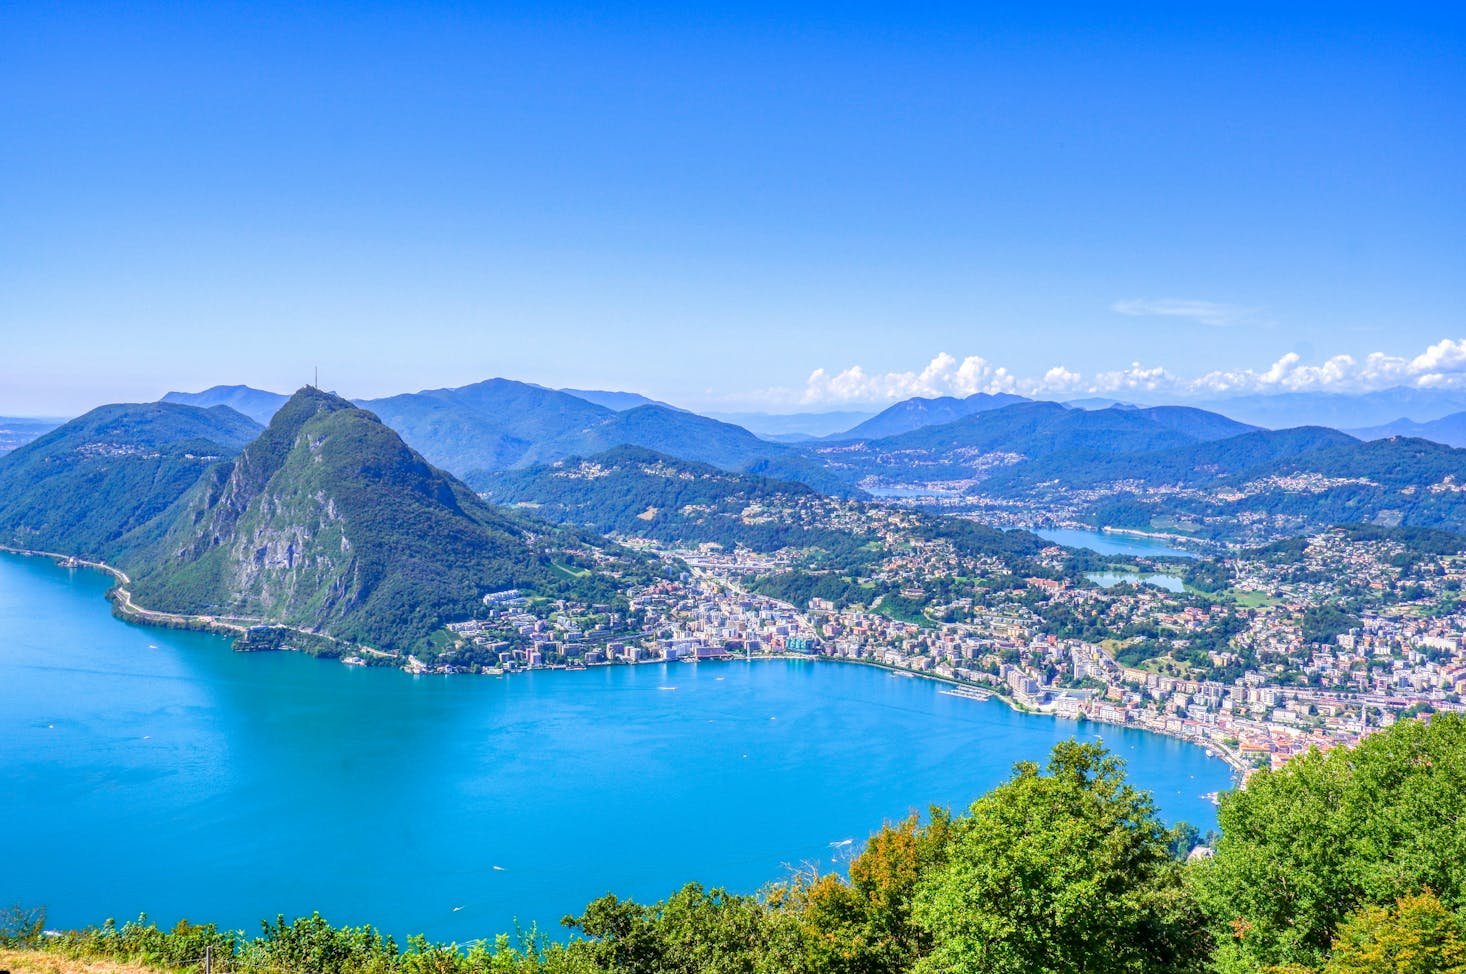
{"x": 329, "y": 522}
{"x": 634, "y": 491}
{"x": 78, "y": 489}
{"x": 1339, "y": 863}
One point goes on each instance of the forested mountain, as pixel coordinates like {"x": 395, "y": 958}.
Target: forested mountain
{"x": 917, "y": 413}
{"x": 1338, "y": 481}
{"x": 257, "y": 404}
{"x": 500, "y": 424}
{"x": 1019, "y": 433}
{"x": 1040, "y": 428}
{"x": 80, "y": 488}
{"x": 490, "y": 425}
{"x": 329, "y": 521}
{"x": 1194, "y": 465}
{"x": 613, "y": 400}
{"x": 635, "y": 491}
{"x": 1398, "y": 462}
{"x": 688, "y": 436}
{"x": 1038, "y": 453}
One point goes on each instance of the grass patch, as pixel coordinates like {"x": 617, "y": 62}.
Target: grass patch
{"x": 1251, "y": 600}
{"x": 45, "y": 962}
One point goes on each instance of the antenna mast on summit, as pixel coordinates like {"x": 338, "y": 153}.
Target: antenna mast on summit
{"x": 317, "y": 384}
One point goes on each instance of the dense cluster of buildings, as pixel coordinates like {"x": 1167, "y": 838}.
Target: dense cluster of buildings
{"x": 1256, "y": 697}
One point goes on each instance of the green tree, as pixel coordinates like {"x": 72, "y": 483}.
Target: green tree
{"x": 1418, "y": 935}
{"x": 1067, "y": 871}
{"x": 864, "y": 925}
{"x": 693, "y": 931}
{"x": 1328, "y": 834}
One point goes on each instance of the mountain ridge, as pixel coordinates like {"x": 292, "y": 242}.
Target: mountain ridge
{"x": 83, "y": 486}
{"x": 328, "y": 521}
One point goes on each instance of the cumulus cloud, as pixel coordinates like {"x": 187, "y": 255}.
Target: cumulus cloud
{"x": 1205, "y": 312}
{"x": 942, "y": 376}
{"x": 1440, "y": 366}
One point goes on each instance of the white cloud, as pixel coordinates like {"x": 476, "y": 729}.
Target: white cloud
{"x": 1440, "y": 362}
{"x": 1205, "y": 312}
{"x": 1137, "y": 378}
{"x": 1440, "y": 366}
{"x": 942, "y": 376}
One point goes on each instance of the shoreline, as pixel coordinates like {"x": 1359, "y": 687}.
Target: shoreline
{"x": 124, "y": 608}
{"x": 1216, "y": 751}
{"x": 128, "y": 611}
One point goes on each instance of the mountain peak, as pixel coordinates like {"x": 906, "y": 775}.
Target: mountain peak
{"x": 331, "y": 523}
{"x": 257, "y": 404}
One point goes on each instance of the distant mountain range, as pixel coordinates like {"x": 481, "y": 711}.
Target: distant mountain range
{"x": 795, "y": 427}
{"x": 1011, "y": 446}
{"x": 257, "y": 404}
{"x": 1340, "y": 410}
{"x": 349, "y": 521}
{"x": 1005, "y": 436}
{"x": 1437, "y": 414}
{"x": 501, "y": 424}
{"x": 1450, "y": 430}
{"x": 915, "y": 414}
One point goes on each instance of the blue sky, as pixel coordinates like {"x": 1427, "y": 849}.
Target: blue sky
{"x": 781, "y": 207}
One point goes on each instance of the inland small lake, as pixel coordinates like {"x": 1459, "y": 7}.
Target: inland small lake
{"x": 1113, "y": 543}
{"x": 148, "y": 770}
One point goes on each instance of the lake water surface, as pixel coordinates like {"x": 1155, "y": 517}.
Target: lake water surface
{"x": 1110, "y": 543}
{"x": 1171, "y": 583}
{"x": 151, "y": 770}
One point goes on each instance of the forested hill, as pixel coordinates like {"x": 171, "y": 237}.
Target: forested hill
{"x": 329, "y": 521}
{"x": 1205, "y": 464}
{"x": 640, "y": 493}
{"x": 634, "y": 491}
{"x": 78, "y": 489}
{"x": 1021, "y": 433}
{"x": 1289, "y": 481}
{"x": 914, "y": 414}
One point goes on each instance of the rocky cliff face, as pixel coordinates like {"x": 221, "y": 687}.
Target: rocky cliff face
{"x": 328, "y": 521}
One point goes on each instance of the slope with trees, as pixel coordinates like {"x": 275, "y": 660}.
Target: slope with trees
{"x": 80, "y": 488}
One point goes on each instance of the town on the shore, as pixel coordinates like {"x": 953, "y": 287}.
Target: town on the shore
{"x": 1243, "y": 678}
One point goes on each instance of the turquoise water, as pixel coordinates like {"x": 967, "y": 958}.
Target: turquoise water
{"x": 150, "y": 770}
{"x": 1108, "y": 543}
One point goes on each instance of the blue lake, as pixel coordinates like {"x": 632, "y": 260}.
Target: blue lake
{"x": 150, "y": 770}
{"x": 1110, "y": 543}
{"x": 1171, "y": 583}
